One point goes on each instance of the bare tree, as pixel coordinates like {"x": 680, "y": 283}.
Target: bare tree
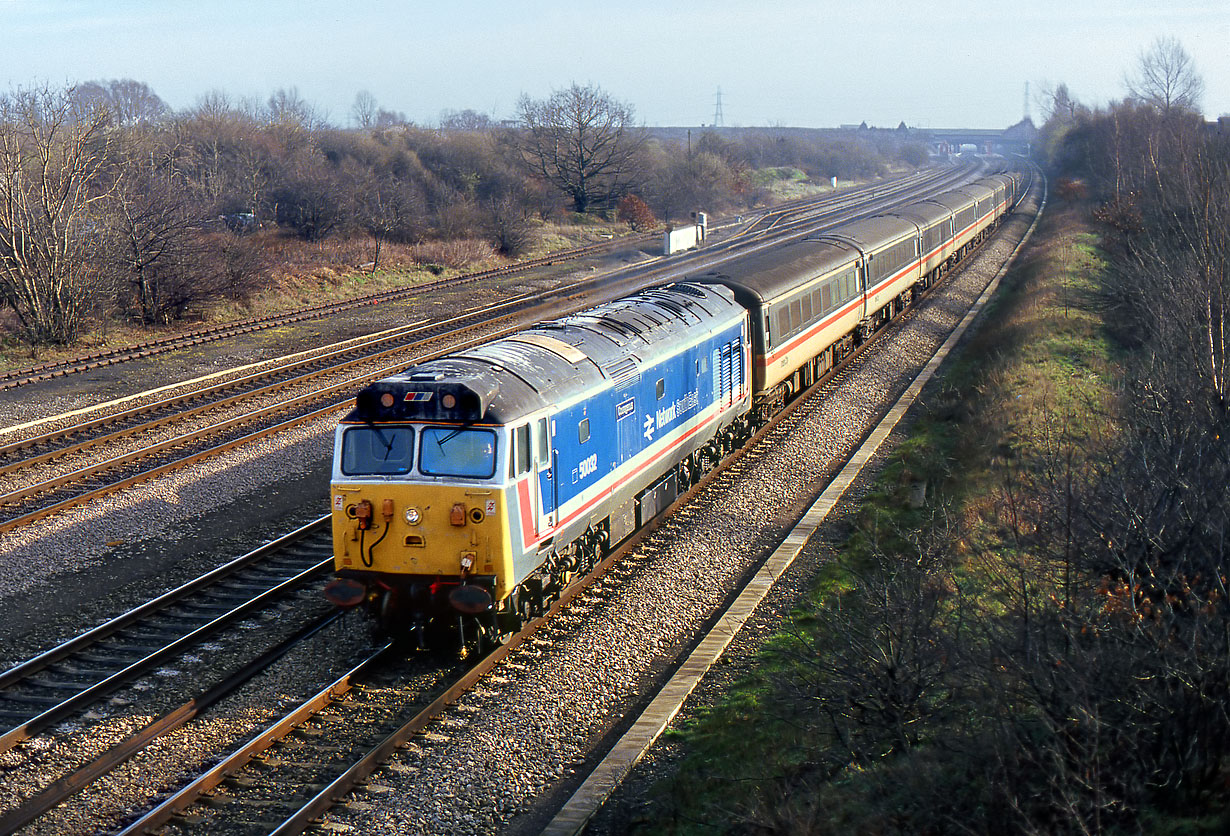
{"x": 127, "y": 101}
{"x": 465, "y": 120}
{"x": 292, "y": 117}
{"x": 1166, "y": 78}
{"x": 52, "y": 159}
{"x": 150, "y": 251}
{"x": 507, "y": 223}
{"x": 583, "y": 142}
{"x": 364, "y": 109}
{"x": 383, "y": 207}
{"x": 1058, "y": 103}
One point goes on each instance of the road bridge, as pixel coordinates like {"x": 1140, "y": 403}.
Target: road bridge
{"x": 1015, "y": 139}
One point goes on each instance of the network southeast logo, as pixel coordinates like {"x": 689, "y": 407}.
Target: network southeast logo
{"x": 667, "y": 414}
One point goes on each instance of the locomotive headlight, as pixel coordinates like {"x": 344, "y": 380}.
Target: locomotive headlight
{"x": 413, "y": 516}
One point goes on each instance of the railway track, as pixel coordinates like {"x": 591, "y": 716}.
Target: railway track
{"x": 47, "y": 472}
{"x": 363, "y": 757}
{"x": 75, "y": 683}
{"x": 75, "y": 675}
{"x": 284, "y": 778}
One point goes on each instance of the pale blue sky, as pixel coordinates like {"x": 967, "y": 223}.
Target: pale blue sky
{"x": 959, "y": 63}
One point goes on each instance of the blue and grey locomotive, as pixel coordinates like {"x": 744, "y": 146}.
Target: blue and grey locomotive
{"x": 468, "y": 490}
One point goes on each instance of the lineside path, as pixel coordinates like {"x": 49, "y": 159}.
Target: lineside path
{"x": 630, "y": 748}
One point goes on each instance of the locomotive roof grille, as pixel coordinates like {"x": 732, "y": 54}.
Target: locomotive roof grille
{"x": 622, "y": 372}
{"x": 691, "y": 289}
{"x": 680, "y": 311}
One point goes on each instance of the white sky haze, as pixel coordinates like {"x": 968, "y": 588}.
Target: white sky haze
{"x": 958, "y": 63}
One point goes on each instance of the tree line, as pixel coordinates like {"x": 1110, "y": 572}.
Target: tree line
{"x": 114, "y": 205}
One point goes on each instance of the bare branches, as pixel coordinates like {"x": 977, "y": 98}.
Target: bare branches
{"x": 583, "y": 142}
{"x": 53, "y": 157}
{"x": 1166, "y": 79}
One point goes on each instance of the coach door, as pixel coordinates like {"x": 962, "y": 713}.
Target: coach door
{"x": 544, "y": 476}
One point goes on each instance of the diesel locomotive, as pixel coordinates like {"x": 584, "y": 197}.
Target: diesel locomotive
{"x": 470, "y": 490}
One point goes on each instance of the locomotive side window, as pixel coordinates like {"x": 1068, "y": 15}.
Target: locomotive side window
{"x": 521, "y": 449}
{"x": 456, "y": 451}
{"x": 583, "y": 430}
{"x": 544, "y": 449}
{"x": 377, "y": 451}
{"x": 661, "y": 388}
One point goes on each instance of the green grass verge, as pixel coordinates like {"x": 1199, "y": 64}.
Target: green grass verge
{"x": 1038, "y": 371}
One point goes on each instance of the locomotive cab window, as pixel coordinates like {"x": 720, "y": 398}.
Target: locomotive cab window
{"x": 457, "y": 451}
{"x": 377, "y": 451}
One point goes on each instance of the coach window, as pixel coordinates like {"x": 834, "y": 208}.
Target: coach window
{"x": 807, "y": 308}
{"x": 661, "y": 388}
{"x": 583, "y": 430}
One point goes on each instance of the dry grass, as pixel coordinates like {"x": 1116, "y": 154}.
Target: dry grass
{"x": 298, "y": 273}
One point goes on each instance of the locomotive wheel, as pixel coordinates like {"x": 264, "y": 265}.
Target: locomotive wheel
{"x": 498, "y": 626}
{"x": 390, "y": 620}
{"x": 525, "y": 606}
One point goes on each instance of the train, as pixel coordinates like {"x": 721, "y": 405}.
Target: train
{"x": 469, "y": 491}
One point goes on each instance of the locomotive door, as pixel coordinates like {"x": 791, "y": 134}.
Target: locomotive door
{"x": 628, "y": 429}
{"x": 544, "y": 476}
